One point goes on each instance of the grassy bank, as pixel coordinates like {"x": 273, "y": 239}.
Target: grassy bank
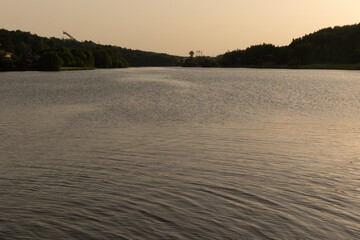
{"x": 308, "y": 66}
{"x": 75, "y": 68}
{"x": 330, "y": 66}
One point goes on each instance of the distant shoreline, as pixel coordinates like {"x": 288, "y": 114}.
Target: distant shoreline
{"x": 328, "y": 48}
{"x": 350, "y": 67}
{"x": 308, "y": 66}
{"x": 76, "y": 68}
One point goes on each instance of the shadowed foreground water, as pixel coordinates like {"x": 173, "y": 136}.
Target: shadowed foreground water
{"x": 168, "y": 153}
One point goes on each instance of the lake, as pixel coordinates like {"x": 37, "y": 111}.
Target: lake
{"x": 175, "y": 153}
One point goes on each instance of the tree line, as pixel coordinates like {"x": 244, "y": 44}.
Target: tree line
{"x": 25, "y": 51}
{"x": 329, "y": 46}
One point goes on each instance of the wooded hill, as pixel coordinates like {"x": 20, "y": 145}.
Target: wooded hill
{"x": 337, "y": 47}
{"x": 25, "y": 51}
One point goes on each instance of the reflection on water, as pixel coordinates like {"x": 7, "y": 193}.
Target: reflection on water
{"x": 168, "y": 153}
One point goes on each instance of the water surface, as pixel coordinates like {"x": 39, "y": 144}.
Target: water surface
{"x": 171, "y": 153}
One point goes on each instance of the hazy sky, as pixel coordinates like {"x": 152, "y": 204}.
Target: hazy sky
{"x": 178, "y": 26}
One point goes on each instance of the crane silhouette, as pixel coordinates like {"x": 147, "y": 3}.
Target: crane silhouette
{"x": 71, "y": 37}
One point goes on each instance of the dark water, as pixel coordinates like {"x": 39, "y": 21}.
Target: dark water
{"x": 154, "y": 153}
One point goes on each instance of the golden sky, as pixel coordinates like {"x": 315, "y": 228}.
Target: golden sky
{"x": 176, "y": 27}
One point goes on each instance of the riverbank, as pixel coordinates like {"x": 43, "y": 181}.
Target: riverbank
{"x": 330, "y": 66}
{"x": 76, "y": 68}
{"x": 308, "y": 66}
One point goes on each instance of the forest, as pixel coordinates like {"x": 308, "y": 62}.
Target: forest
{"x": 337, "y": 47}
{"x": 21, "y": 51}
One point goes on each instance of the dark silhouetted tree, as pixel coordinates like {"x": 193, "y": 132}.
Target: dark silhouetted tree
{"x": 50, "y": 61}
